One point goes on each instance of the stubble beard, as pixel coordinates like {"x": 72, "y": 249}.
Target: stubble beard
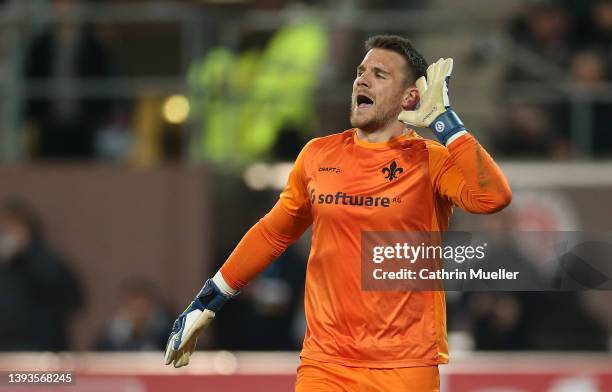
{"x": 374, "y": 122}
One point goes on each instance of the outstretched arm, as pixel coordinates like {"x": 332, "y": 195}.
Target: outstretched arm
{"x": 263, "y": 243}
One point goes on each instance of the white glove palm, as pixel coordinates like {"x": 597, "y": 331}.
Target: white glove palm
{"x": 434, "y": 95}
{"x": 184, "y": 337}
{"x": 191, "y": 322}
{"x": 434, "y": 109}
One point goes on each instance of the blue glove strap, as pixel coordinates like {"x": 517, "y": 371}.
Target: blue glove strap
{"x": 210, "y": 297}
{"x": 446, "y": 125}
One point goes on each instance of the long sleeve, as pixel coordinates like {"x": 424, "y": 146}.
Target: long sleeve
{"x": 269, "y": 237}
{"x": 263, "y": 243}
{"x": 466, "y": 174}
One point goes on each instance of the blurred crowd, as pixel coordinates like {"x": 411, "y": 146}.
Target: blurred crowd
{"x": 42, "y": 293}
{"x": 259, "y": 87}
{"x": 556, "y": 89}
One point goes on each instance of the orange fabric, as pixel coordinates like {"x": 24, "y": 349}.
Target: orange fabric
{"x": 467, "y": 175}
{"x": 343, "y": 186}
{"x": 264, "y": 242}
{"x": 314, "y": 376}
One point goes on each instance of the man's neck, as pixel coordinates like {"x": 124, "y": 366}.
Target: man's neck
{"x": 383, "y": 135}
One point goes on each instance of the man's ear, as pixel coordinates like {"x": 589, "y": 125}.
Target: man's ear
{"x": 410, "y": 98}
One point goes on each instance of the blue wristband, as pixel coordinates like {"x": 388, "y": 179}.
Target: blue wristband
{"x": 446, "y": 125}
{"x": 210, "y": 297}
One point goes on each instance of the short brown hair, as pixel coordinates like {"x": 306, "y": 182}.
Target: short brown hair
{"x": 417, "y": 65}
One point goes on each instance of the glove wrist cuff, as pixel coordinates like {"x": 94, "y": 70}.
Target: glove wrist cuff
{"x": 211, "y": 297}
{"x": 446, "y": 125}
{"x": 223, "y": 286}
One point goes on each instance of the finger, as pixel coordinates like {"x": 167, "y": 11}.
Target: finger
{"x": 430, "y": 73}
{"x": 421, "y": 85}
{"x": 169, "y": 357}
{"x": 440, "y": 71}
{"x": 185, "y": 352}
{"x": 409, "y": 117}
{"x": 186, "y": 335}
{"x": 189, "y": 328}
{"x": 192, "y": 345}
{"x": 182, "y": 359}
{"x": 448, "y": 67}
{"x": 443, "y": 71}
{"x": 194, "y": 324}
{"x": 436, "y": 71}
{"x": 170, "y": 353}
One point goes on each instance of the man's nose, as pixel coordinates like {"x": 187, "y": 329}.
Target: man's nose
{"x": 363, "y": 80}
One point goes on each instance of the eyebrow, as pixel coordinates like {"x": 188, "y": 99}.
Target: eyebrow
{"x": 361, "y": 67}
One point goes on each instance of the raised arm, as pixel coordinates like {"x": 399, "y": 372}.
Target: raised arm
{"x": 467, "y": 175}
{"x": 463, "y": 172}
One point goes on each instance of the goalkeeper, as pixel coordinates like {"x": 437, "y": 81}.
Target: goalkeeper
{"x": 365, "y": 340}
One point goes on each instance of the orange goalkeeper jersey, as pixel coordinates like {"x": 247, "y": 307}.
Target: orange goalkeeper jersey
{"x": 342, "y": 186}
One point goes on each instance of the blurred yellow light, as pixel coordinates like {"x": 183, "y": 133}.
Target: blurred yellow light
{"x": 176, "y": 109}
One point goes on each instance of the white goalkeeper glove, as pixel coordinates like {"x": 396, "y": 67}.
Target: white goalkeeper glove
{"x": 434, "y": 109}
{"x": 191, "y": 322}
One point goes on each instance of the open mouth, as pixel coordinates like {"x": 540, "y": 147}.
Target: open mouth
{"x": 363, "y": 101}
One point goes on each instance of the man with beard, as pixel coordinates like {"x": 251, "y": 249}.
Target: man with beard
{"x": 378, "y": 176}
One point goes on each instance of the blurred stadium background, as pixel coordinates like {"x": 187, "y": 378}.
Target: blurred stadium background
{"x": 139, "y": 140}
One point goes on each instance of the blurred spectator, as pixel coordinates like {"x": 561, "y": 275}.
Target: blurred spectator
{"x": 524, "y": 318}
{"x": 65, "y": 123}
{"x": 531, "y": 129}
{"x": 545, "y": 27}
{"x": 498, "y": 321}
{"x": 600, "y": 27}
{"x": 534, "y": 321}
{"x": 38, "y": 292}
{"x": 576, "y": 38}
{"x": 589, "y": 72}
{"x": 501, "y": 320}
{"x": 588, "y": 69}
{"x": 529, "y": 133}
{"x": 260, "y": 103}
{"x": 140, "y": 323}
{"x": 566, "y": 324}
{"x": 270, "y": 303}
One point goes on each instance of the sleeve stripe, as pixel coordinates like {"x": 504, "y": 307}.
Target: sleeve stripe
{"x": 222, "y": 285}
{"x": 455, "y": 137}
